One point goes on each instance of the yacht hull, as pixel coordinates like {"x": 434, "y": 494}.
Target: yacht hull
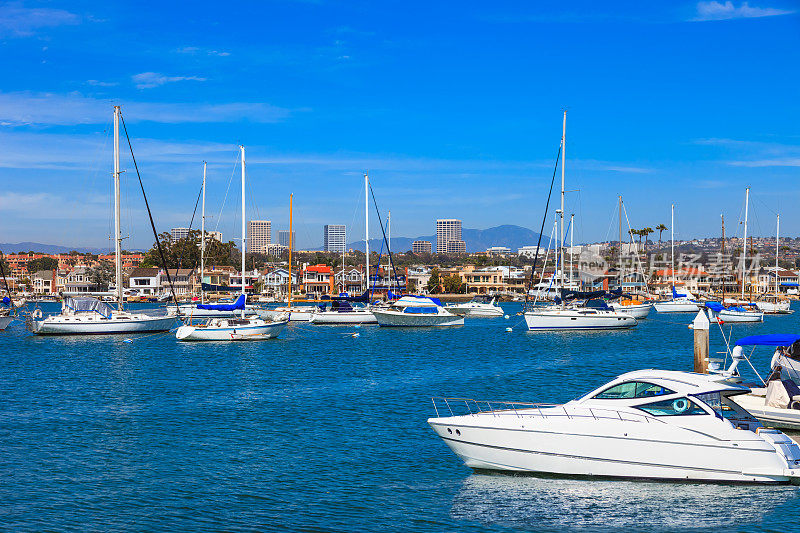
{"x": 479, "y": 310}
{"x": 100, "y": 326}
{"x": 739, "y": 317}
{"x": 191, "y": 310}
{"x": 5, "y": 321}
{"x": 676, "y": 306}
{"x": 637, "y": 311}
{"x": 234, "y": 333}
{"x": 610, "y": 448}
{"x": 567, "y": 319}
{"x": 296, "y": 314}
{"x": 336, "y": 318}
{"x": 782, "y": 307}
{"x": 391, "y": 318}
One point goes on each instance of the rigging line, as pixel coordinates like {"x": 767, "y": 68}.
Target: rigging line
{"x": 150, "y": 215}
{"x": 388, "y": 249}
{"x": 191, "y": 221}
{"x": 541, "y": 229}
{"x": 225, "y": 198}
{"x": 641, "y": 267}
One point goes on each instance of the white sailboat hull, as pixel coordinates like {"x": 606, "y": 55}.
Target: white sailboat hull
{"x": 572, "y": 319}
{"x": 191, "y": 310}
{"x": 335, "y": 317}
{"x": 604, "y": 446}
{"x": 676, "y": 306}
{"x": 730, "y": 316}
{"x": 256, "y": 330}
{"x": 5, "y": 321}
{"x": 97, "y": 325}
{"x": 637, "y": 311}
{"x": 393, "y": 318}
{"x": 781, "y": 307}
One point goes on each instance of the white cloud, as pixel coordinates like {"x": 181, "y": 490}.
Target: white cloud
{"x": 148, "y": 80}
{"x": 727, "y": 10}
{"x": 16, "y": 20}
{"x": 197, "y": 50}
{"x": 24, "y": 108}
{"x": 98, "y": 83}
{"x": 778, "y": 162}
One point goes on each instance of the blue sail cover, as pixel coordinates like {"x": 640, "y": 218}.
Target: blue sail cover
{"x": 676, "y": 294}
{"x": 238, "y": 304}
{"x": 776, "y": 339}
{"x": 6, "y": 300}
{"x": 715, "y": 306}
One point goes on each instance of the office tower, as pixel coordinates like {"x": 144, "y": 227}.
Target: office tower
{"x": 447, "y": 229}
{"x": 335, "y": 238}
{"x": 283, "y": 237}
{"x": 259, "y": 235}
{"x": 421, "y": 247}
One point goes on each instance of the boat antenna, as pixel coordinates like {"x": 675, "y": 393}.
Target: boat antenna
{"x": 380, "y": 222}
{"x": 150, "y": 215}
{"x": 541, "y": 229}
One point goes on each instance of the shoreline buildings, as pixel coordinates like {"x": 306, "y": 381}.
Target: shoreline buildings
{"x": 448, "y": 237}
{"x": 259, "y": 235}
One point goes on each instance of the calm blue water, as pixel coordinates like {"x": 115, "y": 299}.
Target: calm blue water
{"x": 319, "y": 431}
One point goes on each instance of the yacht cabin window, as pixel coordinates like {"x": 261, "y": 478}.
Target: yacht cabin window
{"x": 631, "y": 390}
{"x": 675, "y": 407}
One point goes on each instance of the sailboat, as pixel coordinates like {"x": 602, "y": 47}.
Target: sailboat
{"x": 90, "y": 316}
{"x": 341, "y": 310}
{"x": 594, "y": 314}
{"x": 201, "y": 310}
{"x": 234, "y": 329}
{"x": 637, "y": 309}
{"x": 775, "y": 305}
{"x": 742, "y": 311}
{"x": 681, "y": 302}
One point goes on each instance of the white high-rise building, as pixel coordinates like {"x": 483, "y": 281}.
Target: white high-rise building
{"x": 335, "y": 238}
{"x": 421, "y": 247}
{"x": 447, "y": 229}
{"x": 259, "y": 236}
{"x": 179, "y": 233}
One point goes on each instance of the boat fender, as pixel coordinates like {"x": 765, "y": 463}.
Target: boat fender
{"x": 509, "y": 330}
{"x": 128, "y": 340}
{"x": 506, "y": 317}
{"x": 37, "y": 313}
{"x": 356, "y": 335}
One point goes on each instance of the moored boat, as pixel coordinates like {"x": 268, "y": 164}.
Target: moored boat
{"x": 481, "y": 305}
{"x": 647, "y": 424}
{"x": 416, "y": 311}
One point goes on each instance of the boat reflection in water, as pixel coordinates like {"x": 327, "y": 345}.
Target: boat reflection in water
{"x": 557, "y": 504}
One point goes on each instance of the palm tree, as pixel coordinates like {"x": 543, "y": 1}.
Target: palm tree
{"x": 645, "y": 232}
{"x": 660, "y": 229}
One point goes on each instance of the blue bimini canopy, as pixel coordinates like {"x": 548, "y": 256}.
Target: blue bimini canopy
{"x": 715, "y": 306}
{"x": 789, "y": 284}
{"x": 238, "y": 304}
{"x": 776, "y": 339}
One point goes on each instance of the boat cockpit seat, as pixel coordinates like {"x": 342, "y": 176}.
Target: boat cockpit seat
{"x": 794, "y": 393}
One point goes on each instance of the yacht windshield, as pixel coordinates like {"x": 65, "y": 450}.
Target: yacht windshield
{"x": 676, "y": 407}
{"x": 633, "y": 389}
{"x": 713, "y": 400}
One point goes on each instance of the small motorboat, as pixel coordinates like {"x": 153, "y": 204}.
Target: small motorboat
{"x": 481, "y": 305}
{"x": 296, "y": 313}
{"x": 647, "y": 424}
{"x": 342, "y": 313}
{"x": 5, "y": 317}
{"x": 416, "y": 311}
{"x": 637, "y": 309}
{"x": 231, "y": 329}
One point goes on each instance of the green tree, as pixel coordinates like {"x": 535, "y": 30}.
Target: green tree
{"x": 42, "y": 263}
{"x": 453, "y": 285}
{"x": 645, "y": 232}
{"x": 102, "y": 274}
{"x": 434, "y": 283}
{"x": 661, "y": 228}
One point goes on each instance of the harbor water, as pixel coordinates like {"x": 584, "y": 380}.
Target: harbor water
{"x": 321, "y": 430}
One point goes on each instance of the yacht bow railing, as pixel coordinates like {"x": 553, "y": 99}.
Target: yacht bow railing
{"x": 471, "y": 407}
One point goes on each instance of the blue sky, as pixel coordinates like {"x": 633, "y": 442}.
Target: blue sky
{"x": 453, "y": 107}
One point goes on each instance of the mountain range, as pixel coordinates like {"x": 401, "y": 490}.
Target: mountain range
{"x": 477, "y": 240}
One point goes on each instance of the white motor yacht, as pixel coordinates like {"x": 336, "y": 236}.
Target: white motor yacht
{"x": 593, "y": 315}
{"x": 296, "y": 313}
{"x": 774, "y": 306}
{"x": 480, "y": 305}
{"x": 90, "y": 316}
{"x": 638, "y": 310}
{"x": 647, "y": 424}
{"x": 416, "y": 311}
{"x": 775, "y": 402}
{"x": 684, "y": 302}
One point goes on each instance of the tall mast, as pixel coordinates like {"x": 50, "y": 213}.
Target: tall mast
{"x": 366, "y": 226}
{"x": 561, "y": 215}
{"x": 389, "y": 246}
{"x": 571, "y": 246}
{"x": 117, "y": 229}
{"x": 672, "y": 245}
{"x": 203, "y": 235}
{"x": 620, "y": 241}
{"x": 744, "y": 246}
{"x": 291, "y": 245}
{"x": 244, "y": 228}
{"x": 777, "y": 236}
